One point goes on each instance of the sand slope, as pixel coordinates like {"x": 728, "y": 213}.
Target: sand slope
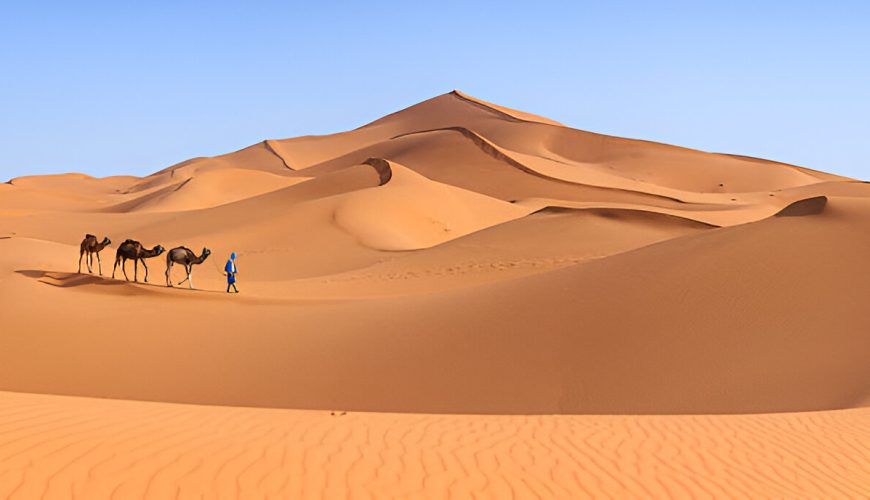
{"x": 736, "y": 328}
{"x": 409, "y": 211}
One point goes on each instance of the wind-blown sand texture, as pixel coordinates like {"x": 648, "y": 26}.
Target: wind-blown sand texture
{"x": 60, "y": 447}
{"x": 455, "y": 257}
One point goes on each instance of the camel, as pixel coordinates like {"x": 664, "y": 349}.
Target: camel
{"x": 185, "y": 257}
{"x": 91, "y": 246}
{"x": 132, "y": 249}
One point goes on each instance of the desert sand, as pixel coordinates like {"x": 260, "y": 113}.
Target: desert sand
{"x": 500, "y": 304}
{"x": 88, "y": 448}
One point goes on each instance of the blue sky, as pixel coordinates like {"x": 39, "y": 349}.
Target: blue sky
{"x": 121, "y": 87}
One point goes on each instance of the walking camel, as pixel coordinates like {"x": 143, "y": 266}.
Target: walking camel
{"x": 132, "y": 249}
{"x": 92, "y": 246}
{"x": 185, "y": 257}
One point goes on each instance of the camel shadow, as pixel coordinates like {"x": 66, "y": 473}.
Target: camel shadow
{"x": 67, "y": 280}
{"x": 62, "y": 279}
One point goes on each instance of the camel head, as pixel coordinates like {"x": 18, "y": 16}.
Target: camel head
{"x": 158, "y": 250}
{"x": 106, "y": 241}
{"x": 205, "y": 253}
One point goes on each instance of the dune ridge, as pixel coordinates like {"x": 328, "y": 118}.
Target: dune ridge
{"x": 500, "y": 154}
{"x": 509, "y": 113}
{"x": 274, "y": 151}
{"x": 408, "y": 211}
{"x": 208, "y": 189}
{"x": 723, "y": 216}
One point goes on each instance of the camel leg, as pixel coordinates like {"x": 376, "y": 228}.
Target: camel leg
{"x": 187, "y": 269}
{"x": 136, "y": 270}
{"x": 100, "y": 263}
{"x": 90, "y": 262}
{"x": 146, "y": 270}
{"x": 124, "y": 268}
{"x": 81, "y": 253}
{"x": 189, "y": 277}
{"x": 117, "y": 259}
{"x": 168, "y": 268}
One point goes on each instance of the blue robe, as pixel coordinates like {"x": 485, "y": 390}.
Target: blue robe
{"x": 231, "y": 270}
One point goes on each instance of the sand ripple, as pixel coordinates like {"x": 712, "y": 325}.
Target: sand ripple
{"x": 62, "y": 447}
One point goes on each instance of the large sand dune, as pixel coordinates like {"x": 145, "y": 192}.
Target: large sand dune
{"x": 455, "y": 257}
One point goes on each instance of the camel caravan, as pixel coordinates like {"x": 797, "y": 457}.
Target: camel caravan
{"x": 135, "y": 251}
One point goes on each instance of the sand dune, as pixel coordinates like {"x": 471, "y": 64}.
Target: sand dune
{"x": 208, "y": 189}
{"x": 410, "y": 212}
{"x": 721, "y": 215}
{"x": 569, "y": 340}
{"x": 455, "y": 257}
{"x": 443, "y": 111}
{"x": 367, "y": 279}
{"x": 259, "y": 156}
{"x": 549, "y": 239}
{"x": 65, "y": 192}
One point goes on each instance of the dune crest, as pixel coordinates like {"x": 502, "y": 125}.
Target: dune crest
{"x": 508, "y": 112}
{"x": 207, "y": 189}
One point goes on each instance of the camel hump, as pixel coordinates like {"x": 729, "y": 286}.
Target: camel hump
{"x": 89, "y": 235}
{"x": 128, "y": 240}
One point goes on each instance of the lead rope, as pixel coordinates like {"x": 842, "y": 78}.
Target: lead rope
{"x": 217, "y": 267}
{"x": 220, "y": 269}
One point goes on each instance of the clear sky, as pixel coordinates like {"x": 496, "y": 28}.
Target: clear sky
{"x": 131, "y": 87}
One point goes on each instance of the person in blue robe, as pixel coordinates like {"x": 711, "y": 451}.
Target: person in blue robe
{"x": 231, "y": 271}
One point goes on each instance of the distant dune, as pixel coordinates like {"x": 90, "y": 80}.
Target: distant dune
{"x": 452, "y": 259}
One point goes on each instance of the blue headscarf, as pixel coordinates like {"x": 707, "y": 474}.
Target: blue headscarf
{"x": 233, "y": 256}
